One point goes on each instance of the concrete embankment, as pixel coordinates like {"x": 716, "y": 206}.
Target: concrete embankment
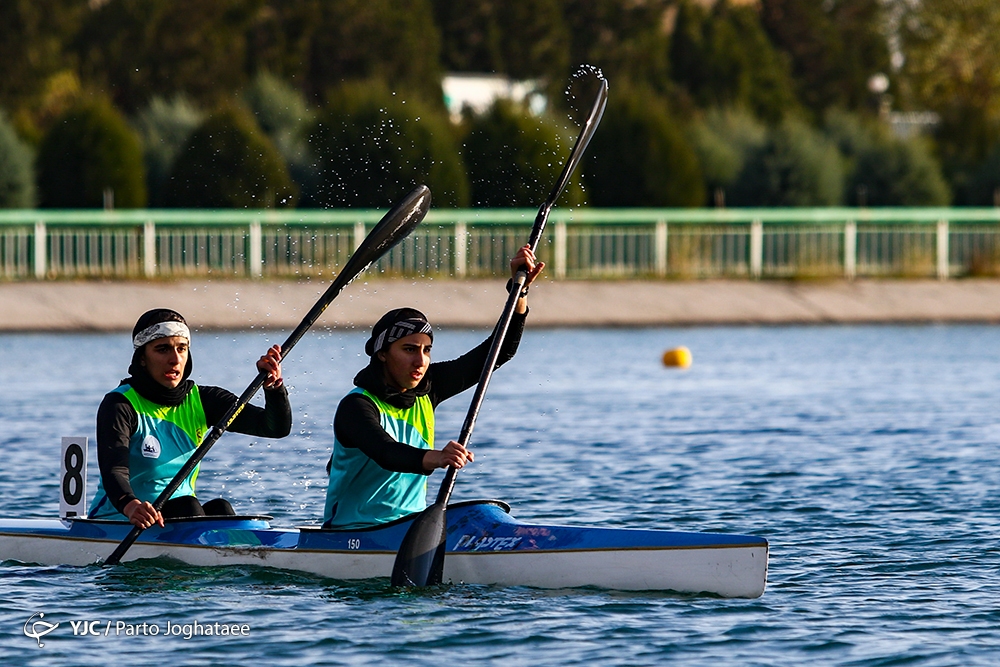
{"x": 226, "y": 304}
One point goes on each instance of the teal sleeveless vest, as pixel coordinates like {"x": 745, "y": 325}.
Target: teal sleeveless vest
{"x": 158, "y": 449}
{"x": 360, "y": 492}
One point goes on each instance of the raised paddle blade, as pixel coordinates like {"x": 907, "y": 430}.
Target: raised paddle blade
{"x": 420, "y": 561}
{"x": 391, "y": 229}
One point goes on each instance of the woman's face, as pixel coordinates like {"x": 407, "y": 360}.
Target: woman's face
{"x": 406, "y": 361}
{"x": 165, "y": 359}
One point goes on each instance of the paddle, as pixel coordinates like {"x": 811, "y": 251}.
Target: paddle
{"x": 420, "y": 560}
{"x": 391, "y": 229}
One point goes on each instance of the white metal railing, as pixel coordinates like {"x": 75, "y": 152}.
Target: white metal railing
{"x": 579, "y": 243}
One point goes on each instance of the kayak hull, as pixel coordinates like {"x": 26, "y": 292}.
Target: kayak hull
{"x": 485, "y": 545}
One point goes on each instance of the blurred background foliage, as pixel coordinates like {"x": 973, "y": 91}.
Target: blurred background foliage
{"x": 316, "y": 103}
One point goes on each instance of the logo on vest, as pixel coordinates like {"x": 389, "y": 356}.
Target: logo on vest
{"x": 151, "y": 447}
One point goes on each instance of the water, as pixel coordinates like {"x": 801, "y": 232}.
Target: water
{"x": 866, "y": 455}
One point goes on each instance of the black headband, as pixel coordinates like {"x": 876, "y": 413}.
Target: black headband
{"x": 394, "y": 325}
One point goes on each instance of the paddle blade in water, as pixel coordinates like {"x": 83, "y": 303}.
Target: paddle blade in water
{"x": 420, "y": 561}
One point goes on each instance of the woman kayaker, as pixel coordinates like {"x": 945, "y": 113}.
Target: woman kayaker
{"x": 383, "y": 446}
{"x": 148, "y": 427}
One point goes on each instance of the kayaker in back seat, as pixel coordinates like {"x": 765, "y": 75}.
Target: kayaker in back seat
{"x": 383, "y": 446}
{"x": 150, "y": 425}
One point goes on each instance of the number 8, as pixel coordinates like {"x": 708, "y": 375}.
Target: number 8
{"x": 73, "y": 480}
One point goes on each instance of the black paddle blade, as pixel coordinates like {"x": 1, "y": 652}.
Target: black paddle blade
{"x": 420, "y": 561}
{"x": 391, "y": 229}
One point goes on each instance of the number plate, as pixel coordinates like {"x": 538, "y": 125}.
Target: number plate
{"x": 73, "y": 478}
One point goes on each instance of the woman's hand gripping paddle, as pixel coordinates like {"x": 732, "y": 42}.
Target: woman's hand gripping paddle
{"x": 393, "y": 228}
{"x": 420, "y": 560}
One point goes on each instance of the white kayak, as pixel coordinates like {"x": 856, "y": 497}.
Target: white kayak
{"x": 485, "y": 545}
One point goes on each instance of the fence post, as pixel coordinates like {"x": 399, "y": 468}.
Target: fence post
{"x": 359, "y": 234}
{"x": 851, "y": 250}
{"x": 461, "y": 236}
{"x": 41, "y": 246}
{"x": 149, "y": 248}
{"x": 661, "y": 248}
{"x": 255, "y": 258}
{"x": 756, "y": 249}
{"x": 942, "y": 250}
{"x": 560, "y": 249}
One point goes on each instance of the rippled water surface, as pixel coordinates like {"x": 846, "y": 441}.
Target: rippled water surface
{"x": 866, "y": 455}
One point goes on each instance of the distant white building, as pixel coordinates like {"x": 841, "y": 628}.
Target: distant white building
{"x": 479, "y": 91}
{"x": 906, "y": 124}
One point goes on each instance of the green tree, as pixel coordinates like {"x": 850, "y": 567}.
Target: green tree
{"x": 984, "y": 183}
{"x": 891, "y": 172}
{"x": 320, "y": 44}
{"x": 639, "y": 156}
{"x": 164, "y": 127}
{"x": 984, "y": 186}
{"x": 523, "y": 39}
{"x": 284, "y": 115}
{"x": 136, "y": 49}
{"x": 356, "y": 40}
{"x": 34, "y": 41}
{"x": 724, "y": 139}
{"x": 628, "y": 41}
{"x": 372, "y": 145}
{"x": 229, "y": 163}
{"x": 17, "y": 183}
{"x": 724, "y": 59}
{"x": 89, "y": 150}
{"x": 513, "y": 158}
{"x": 882, "y": 169}
{"x": 835, "y": 47}
{"x": 952, "y": 67}
{"x": 795, "y": 166}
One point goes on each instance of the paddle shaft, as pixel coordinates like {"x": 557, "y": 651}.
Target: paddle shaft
{"x": 420, "y": 559}
{"x": 576, "y": 154}
{"x": 393, "y": 227}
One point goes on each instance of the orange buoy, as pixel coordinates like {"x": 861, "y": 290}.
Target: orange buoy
{"x": 679, "y": 357}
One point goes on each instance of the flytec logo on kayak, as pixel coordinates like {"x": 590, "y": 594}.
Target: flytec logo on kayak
{"x": 485, "y": 543}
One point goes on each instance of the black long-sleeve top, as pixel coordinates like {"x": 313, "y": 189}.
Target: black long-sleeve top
{"x": 357, "y": 422}
{"x": 117, "y": 421}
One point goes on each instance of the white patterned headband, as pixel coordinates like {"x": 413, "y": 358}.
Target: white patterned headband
{"x": 402, "y": 329}
{"x": 161, "y": 330}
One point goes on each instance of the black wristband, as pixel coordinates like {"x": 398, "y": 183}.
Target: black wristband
{"x": 510, "y": 286}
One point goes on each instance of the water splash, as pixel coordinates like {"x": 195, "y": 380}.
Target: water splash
{"x": 581, "y": 90}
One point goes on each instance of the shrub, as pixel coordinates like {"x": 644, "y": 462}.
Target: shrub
{"x": 371, "y": 146}
{"x": 984, "y": 185}
{"x": 884, "y": 170}
{"x": 88, "y": 150}
{"x": 229, "y": 163}
{"x": 514, "y": 158}
{"x": 795, "y": 166}
{"x": 17, "y": 183}
{"x": 722, "y": 56}
{"x": 283, "y": 114}
{"x": 639, "y": 157}
{"x": 723, "y": 140}
{"x": 164, "y": 128}
{"x": 893, "y": 172}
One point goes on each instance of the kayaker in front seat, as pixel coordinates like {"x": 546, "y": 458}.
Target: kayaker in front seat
{"x": 148, "y": 427}
{"x": 383, "y": 447}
